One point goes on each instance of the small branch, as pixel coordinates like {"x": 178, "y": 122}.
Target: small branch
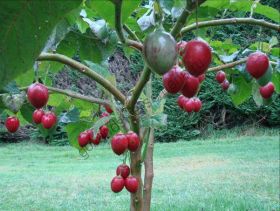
{"x": 233, "y": 21}
{"x": 119, "y": 28}
{"x": 134, "y": 44}
{"x": 228, "y": 65}
{"x": 131, "y": 33}
{"x": 190, "y": 5}
{"x": 85, "y": 70}
{"x": 74, "y": 95}
{"x": 144, "y": 78}
{"x": 118, "y": 20}
{"x": 79, "y": 96}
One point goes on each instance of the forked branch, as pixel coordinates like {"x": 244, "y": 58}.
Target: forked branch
{"x": 119, "y": 27}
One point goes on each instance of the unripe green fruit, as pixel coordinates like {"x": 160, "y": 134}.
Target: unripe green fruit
{"x": 160, "y": 51}
{"x": 263, "y": 80}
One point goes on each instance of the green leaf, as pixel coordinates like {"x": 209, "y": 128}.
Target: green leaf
{"x": 276, "y": 81}
{"x": 89, "y": 50}
{"x": 99, "y": 123}
{"x": 155, "y": 121}
{"x": 27, "y": 112}
{"x": 71, "y": 116}
{"x": 273, "y": 41}
{"x": 73, "y": 131}
{"x": 15, "y": 101}
{"x": 68, "y": 46}
{"x": 242, "y": 92}
{"x": 158, "y": 106}
{"x": 256, "y": 95}
{"x": 106, "y": 9}
{"x": 25, "y": 28}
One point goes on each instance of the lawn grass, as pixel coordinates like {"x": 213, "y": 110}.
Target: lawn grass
{"x": 223, "y": 174}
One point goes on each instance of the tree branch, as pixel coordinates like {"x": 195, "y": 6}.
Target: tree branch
{"x": 85, "y": 70}
{"x": 119, "y": 27}
{"x": 227, "y": 65}
{"x": 234, "y": 21}
{"x": 131, "y": 33}
{"x": 190, "y": 5}
{"x": 79, "y": 96}
{"x": 144, "y": 78}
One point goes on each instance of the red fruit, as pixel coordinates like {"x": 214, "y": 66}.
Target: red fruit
{"x": 181, "y": 101}
{"x": 257, "y": 64}
{"x": 180, "y": 46}
{"x": 83, "y": 139}
{"x": 225, "y": 84}
{"x": 48, "y": 120}
{"x": 108, "y": 109}
{"x": 196, "y": 104}
{"x": 117, "y": 184}
{"x": 189, "y": 105}
{"x": 133, "y": 141}
{"x": 220, "y": 76}
{"x": 197, "y": 57}
{"x": 37, "y": 116}
{"x": 201, "y": 78}
{"x": 104, "y": 131}
{"x": 97, "y": 139}
{"x": 12, "y": 124}
{"x": 90, "y": 135}
{"x": 119, "y": 143}
{"x": 173, "y": 80}
{"x": 104, "y": 114}
{"x": 267, "y": 90}
{"x": 131, "y": 184}
{"x": 38, "y": 95}
{"x": 123, "y": 170}
{"x": 191, "y": 85}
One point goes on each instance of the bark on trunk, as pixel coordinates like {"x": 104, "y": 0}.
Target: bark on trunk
{"x": 149, "y": 172}
{"x": 136, "y": 199}
{"x": 135, "y": 165}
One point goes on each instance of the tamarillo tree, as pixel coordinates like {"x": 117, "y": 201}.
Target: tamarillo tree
{"x": 82, "y": 34}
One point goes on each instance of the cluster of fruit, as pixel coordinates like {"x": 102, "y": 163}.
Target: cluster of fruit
{"x": 38, "y": 96}
{"x": 259, "y": 68}
{"x": 120, "y": 143}
{"x": 188, "y": 82}
{"x": 124, "y": 180}
{"x": 222, "y": 79}
{"x": 87, "y": 137}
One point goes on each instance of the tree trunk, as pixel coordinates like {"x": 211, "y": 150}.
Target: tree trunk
{"x": 135, "y": 166}
{"x": 136, "y": 199}
{"x": 149, "y": 172}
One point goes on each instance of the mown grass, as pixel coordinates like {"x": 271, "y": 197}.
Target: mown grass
{"x": 223, "y": 174}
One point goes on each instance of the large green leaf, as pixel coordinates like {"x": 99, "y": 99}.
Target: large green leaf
{"x": 242, "y": 92}
{"x": 106, "y": 9}
{"x": 25, "y": 28}
{"x": 276, "y": 81}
